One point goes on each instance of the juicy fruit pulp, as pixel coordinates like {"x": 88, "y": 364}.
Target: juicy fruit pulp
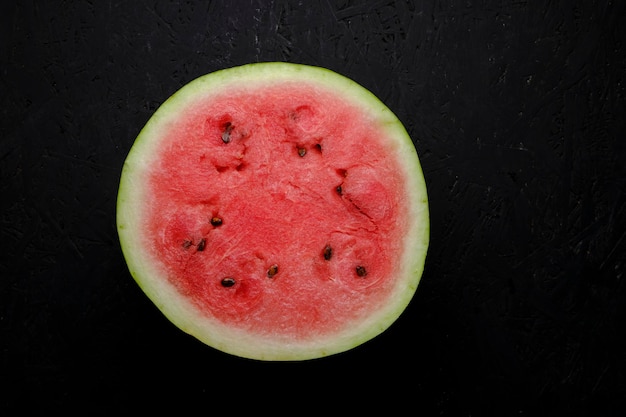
{"x": 273, "y": 184}
{"x": 275, "y": 211}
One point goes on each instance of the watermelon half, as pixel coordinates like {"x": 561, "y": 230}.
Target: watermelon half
{"x": 275, "y": 211}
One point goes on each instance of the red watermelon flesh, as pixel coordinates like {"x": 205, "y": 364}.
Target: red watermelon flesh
{"x": 276, "y": 212}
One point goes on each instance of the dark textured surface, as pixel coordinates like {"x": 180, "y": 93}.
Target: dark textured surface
{"x": 516, "y": 109}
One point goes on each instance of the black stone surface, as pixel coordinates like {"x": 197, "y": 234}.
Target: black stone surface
{"x": 517, "y": 111}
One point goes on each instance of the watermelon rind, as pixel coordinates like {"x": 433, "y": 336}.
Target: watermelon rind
{"x": 133, "y": 198}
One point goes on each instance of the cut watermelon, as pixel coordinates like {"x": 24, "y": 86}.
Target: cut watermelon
{"x": 275, "y": 211}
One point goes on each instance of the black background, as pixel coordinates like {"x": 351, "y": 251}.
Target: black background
{"x": 516, "y": 109}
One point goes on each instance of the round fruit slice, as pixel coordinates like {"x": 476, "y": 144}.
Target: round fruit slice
{"x": 275, "y": 211}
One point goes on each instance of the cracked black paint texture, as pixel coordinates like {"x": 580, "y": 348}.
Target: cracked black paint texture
{"x": 516, "y": 109}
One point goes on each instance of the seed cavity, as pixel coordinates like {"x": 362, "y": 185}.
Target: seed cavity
{"x": 318, "y": 147}
{"x": 216, "y": 221}
{"x": 328, "y": 252}
{"x": 227, "y": 128}
{"x": 201, "y": 245}
{"x": 187, "y": 244}
{"x": 361, "y": 271}
{"x": 273, "y": 270}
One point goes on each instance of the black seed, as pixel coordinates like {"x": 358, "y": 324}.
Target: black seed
{"x": 339, "y": 190}
{"x": 187, "y": 244}
{"x": 360, "y": 271}
{"x": 228, "y": 127}
{"x": 273, "y": 270}
{"x": 201, "y": 245}
{"x": 301, "y": 151}
{"x": 328, "y": 252}
{"x": 228, "y": 282}
{"x": 216, "y": 221}
{"x": 318, "y": 146}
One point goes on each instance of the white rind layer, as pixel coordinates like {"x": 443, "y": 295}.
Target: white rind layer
{"x": 133, "y": 199}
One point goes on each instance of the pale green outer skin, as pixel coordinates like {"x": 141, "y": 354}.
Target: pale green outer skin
{"x": 133, "y": 198}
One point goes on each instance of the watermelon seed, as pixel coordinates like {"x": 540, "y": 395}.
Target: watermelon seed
{"x": 273, "y": 270}
{"x": 228, "y": 282}
{"x": 201, "y": 245}
{"x": 318, "y": 146}
{"x": 360, "y": 271}
{"x": 216, "y": 221}
{"x": 187, "y": 243}
{"x": 228, "y": 127}
{"x": 328, "y": 252}
{"x": 339, "y": 190}
{"x": 301, "y": 151}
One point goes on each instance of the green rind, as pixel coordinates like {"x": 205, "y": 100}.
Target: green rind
{"x": 132, "y": 199}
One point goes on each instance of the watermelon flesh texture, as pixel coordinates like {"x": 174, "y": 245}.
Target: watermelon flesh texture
{"x": 277, "y": 216}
